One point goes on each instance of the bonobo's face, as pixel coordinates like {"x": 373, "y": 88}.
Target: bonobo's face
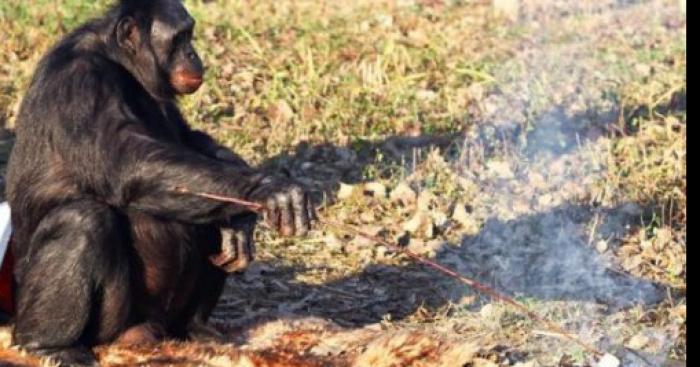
{"x": 171, "y": 38}
{"x": 161, "y": 50}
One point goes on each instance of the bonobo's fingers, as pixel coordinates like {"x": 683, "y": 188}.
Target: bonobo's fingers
{"x": 271, "y": 213}
{"x": 301, "y": 215}
{"x": 238, "y": 251}
{"x": 287, "y": 208}
{"x": 286, "y": 214}
{"x": 311, "y": 209}
{"x": 244, "y": 253}
{"x": 248, "y": 248}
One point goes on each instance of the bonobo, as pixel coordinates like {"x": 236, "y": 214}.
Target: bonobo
{"x": 106, "y": 248}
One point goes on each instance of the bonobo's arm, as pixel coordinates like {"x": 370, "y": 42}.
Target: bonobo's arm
{"x": 114, "y": 156}
{"x": 148, "y": 172}
{"x": 206, "y": 145}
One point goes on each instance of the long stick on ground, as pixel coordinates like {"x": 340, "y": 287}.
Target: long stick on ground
{"x": 418, "y": 258}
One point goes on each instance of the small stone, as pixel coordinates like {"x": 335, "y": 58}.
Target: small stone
{"x": 382, "y": 253}
{"x": 608, "y": 360}
{"x": 632, "y": 262}
{"x": 403, "y": 194}
{"x": 332, "y": 242}
{"x": 376, "y": 189}
{"x": 465, "y": 220}
{"x": 545, "y": 200}
{"x": 430, "y": 230}
{"x": 643, "y": 69}
{"x": 481, "y": 362}
{"x": 601, "y": 246}
{"x": 367, "y": 217}
{"x": 429, "y": 248}
{"x": 345, "y": 191}
{"x": 424, "y": 201}
{"x": 415, "y": 223}
{"x": 639, "y": 341}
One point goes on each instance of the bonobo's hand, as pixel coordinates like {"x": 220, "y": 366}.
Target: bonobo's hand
{"x": 286, "y": 206}
{"x": 237, "y": 244}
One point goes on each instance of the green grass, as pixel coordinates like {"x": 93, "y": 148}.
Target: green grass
{"x": 280, "y": 73}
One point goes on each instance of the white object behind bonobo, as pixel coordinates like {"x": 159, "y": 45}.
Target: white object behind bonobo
{"x": 5, "y": 229}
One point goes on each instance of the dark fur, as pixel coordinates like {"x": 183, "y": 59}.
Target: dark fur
{"x": 104, "y": 245}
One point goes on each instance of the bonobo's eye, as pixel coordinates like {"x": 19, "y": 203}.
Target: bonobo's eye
{"x": 182, "y": 38}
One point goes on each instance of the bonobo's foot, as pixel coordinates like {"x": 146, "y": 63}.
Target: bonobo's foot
{"x": 204, "y": 333}
{"x": 140, "y": 334}
{"x": 69, "y": 357}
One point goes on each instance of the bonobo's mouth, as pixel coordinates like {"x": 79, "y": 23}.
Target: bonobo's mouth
{"x": 186, "y": 83}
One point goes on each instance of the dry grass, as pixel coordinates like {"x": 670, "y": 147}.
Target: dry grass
{"x": 473, "y": 138}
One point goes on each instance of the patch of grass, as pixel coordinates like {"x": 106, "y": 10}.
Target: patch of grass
{"x": 357, "y": 74}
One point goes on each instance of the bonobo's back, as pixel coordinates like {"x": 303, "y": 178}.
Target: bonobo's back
{"x": 67, "y": 90}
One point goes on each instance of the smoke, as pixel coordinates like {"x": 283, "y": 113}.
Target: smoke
{"x": 538, "y": 153}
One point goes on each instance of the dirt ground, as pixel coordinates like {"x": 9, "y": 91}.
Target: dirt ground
{"x": 561, "y": 182}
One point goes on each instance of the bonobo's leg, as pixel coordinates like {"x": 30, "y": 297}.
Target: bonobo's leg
{"x": 192, "y": 323}
{"x": 75, "y": 288}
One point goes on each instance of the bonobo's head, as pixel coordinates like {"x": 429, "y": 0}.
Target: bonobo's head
{"x": 154, "y": 38}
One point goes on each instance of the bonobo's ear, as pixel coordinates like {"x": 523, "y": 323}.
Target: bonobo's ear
{"x": 128, "y": 35}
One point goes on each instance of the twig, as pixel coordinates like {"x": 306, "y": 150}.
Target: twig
{"x": 550, "y": 326}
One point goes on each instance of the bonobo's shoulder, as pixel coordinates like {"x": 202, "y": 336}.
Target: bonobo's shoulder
{"x": 67, "y": 67}
{"x": 78, "y": 60}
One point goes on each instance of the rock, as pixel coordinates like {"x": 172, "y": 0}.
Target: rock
{"x": 425, "y": 200}
{"x": 500, "y": 169}
{"x": 632, "y": 262}
{"x": 415, "y": 223}
{"x": 345, "y": 191}
{"x": 601, "y": 246}
{"x": 403, "y": 194}
{"x": 332, "y": 242}
{"x": 367, "y": 217}
{"x": 461, "y": 216}
{"x": 608, "y": 360}
{"x": 430, "y": 248}
{"x": 430, "y": 230}
{"x": 376, "y": 189}
{"x": 526, "y": 364}
{"x": 638, "y": 341}
{"x": 481, "y": 362}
